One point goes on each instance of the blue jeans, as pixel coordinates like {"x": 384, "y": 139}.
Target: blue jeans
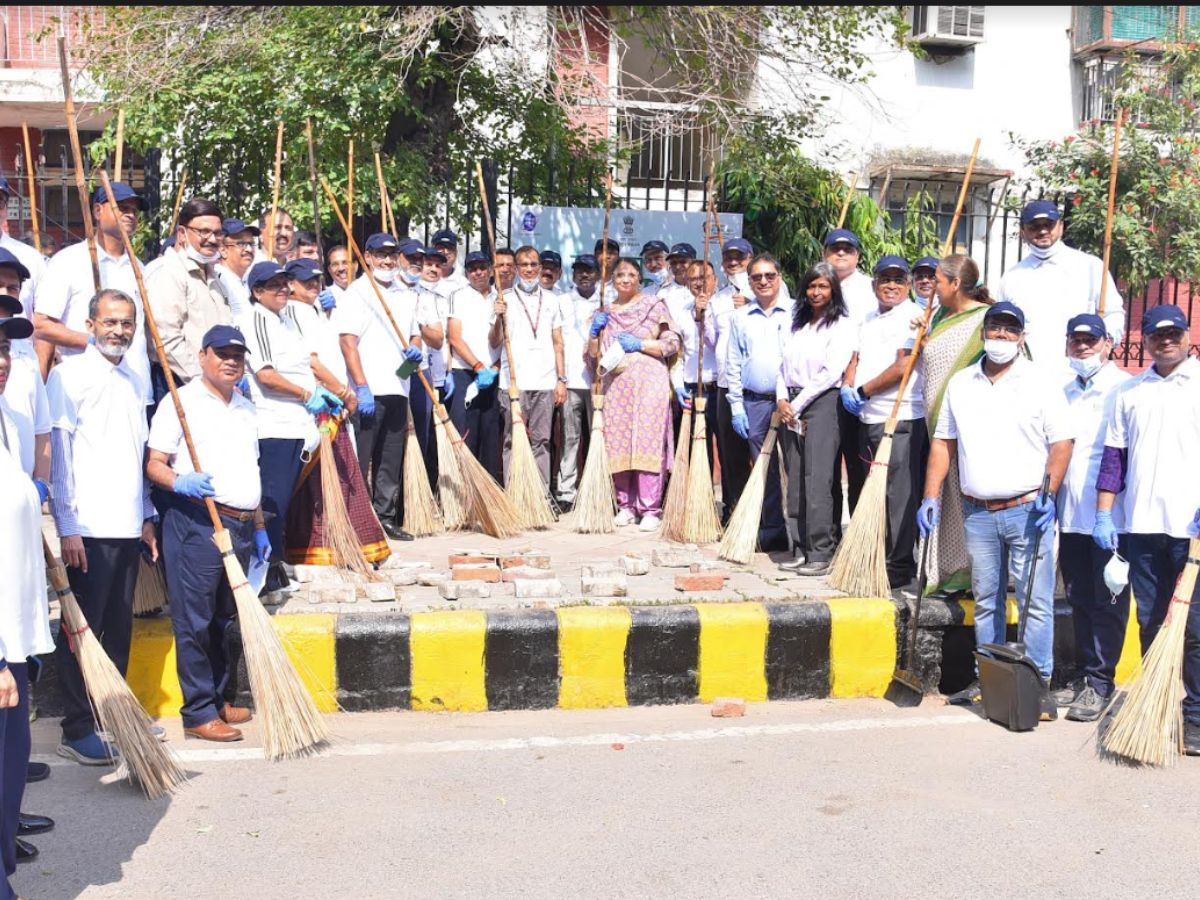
{"x": 1000, "y": 543}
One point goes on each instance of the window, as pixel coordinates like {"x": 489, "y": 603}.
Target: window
{"x": 947, "y": 25}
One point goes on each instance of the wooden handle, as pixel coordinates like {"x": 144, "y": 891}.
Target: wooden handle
{"x": 1185, "y": 587}
{"x": 275, "y": 192}
{"x": 716, "y": 216}
{"x": 316, "y": 203}
{"x": 119, "y": 149}
{"x": 178, "y": 202}
{"x": 604, "y": 255}
{"x": 31, "y": 181}
{"x": 850, "y": 190}
{"x": 85, "y": 207}
{"x": 1108, "y": 219}
{"x": 513, "y": 390}
{"x": 351, "y": 264}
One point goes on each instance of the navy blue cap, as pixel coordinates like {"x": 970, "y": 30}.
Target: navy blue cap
{"x": 687, "y": 251}
{"x": 651, "y": 246}
{"x": 926, "y": 262}
{"x": 475, "y": 257}
{"x": 612, "y": 245}
{"x": 381, "y": 240}
{"x": 233, "y": 227}
{"x": 843, "y": 236}
{"x": 551, "y": 258}
{"x": 121, "y": 192}
{"x": 891, "y": 261}
{"x": 586, "y": 261}
{"x": 8, "y": 259}
{"x": 221, "y": 336}
{"x": 1164, "y": 316}
{"x": 303, "y": 269}
{"x": 411, "y": 247}
{"x": 12, "y": 304}
{"x": 16, "y": 329}
{"x": 1088, "y": 323}
{"x": 1004, "y": 308}
{"x": 4, "y": 188}
{"x": 444, "y": 238}
{"x": 1040, "y": 209}
{"x": 262, "y": 272}
{"x": 434, "y": 252}
{"x": 737, "y": 245}
{"x": 168, "y": 243}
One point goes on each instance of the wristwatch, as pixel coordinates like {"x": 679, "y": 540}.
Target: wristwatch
{"x": 562, "y": 379}
{"x": 862, "y": 395}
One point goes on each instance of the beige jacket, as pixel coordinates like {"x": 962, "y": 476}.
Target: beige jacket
{"x": 186, "y": 303}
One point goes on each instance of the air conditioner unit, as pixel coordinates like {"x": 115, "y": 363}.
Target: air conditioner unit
{"x": 947, "y": 26}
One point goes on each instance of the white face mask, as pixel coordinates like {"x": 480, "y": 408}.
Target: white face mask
{"x": 1085, "y": 368}
{"x": 384, "y": 276}
{"x": 197, "y": 257}
{"x": 1001, "y": 352}
{"x": 1116, "y": 574}
{"x": 1047, "y": 252}
{"x": 658, "y": 277}
{"x": 741, "y": 281}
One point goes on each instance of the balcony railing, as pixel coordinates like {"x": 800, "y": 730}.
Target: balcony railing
{"x": 22, "y": 26}
{"x": 1145, "y": 28}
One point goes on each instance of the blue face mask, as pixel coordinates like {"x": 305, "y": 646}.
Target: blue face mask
{"x": 528, "y": 286}
{"x": 409, "y": 278}
{"x": 659, "y": 278}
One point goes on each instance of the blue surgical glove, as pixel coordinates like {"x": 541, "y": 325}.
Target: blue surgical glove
{"x": 485, "y": 378}
{"x": 325, "y": 298}
{"x": 629, "y": 343}
{"x": 1196, "y": 521}
{"x": 598, "y": 322}
{"x": 244, "y": 386}
{"x": 366, "y": 401}
{"x": 197, "y": 485}
{"x": 683, "y": 395}
{"x": 42, "y": 489}
{"x": 448, "y": 387}
{"x": 321, "y": 401}
{"x": 262, "y": 545}
{"x": 929, "y": 513}
{"x": 413, "y": 354}
{"x": 1104, "y": 532}
{"x": 1044, "y": 506}
{"x": 741, "y": 425}
{"x": 852, "y": 403}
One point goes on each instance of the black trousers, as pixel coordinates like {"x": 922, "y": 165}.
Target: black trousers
{"x": 105, "y": 595}
{"x": 905, "y": 484}
{"x": 478, "y": 424}
{"x": 812, "y": 467}
{"x": 1099, "y": 619}
{"x": 381, "y": 454}
{"x": 735, "y": 456}
{"x": 14, "y": 763}
{"x": 849, "y": 428}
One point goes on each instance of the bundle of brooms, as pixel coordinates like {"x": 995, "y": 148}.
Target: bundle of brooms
{"x": 339, "y": 532}
{"x": 421, "y": 515}
{"x": 150, "y": 592}
{"x": 741, "y": 534}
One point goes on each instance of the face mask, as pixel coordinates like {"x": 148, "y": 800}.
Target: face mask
{"x": 741, "y": 281}
{"x": 1085, "y": 368}
{"x": 529, "y": 286}
{"x": 197, "y": 257}
{"x": 1001, "y": 352}
{"x": 1116, "y": 574}
{"x": 384, "y": 276}
{"x": 408, "y": 277}
{"x": 659, "y": 278}
{"x": 1046, "y": 253}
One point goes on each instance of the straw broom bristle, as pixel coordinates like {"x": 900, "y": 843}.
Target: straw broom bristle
{"x": 596, "y": 500}
{"x": 526, "y": 489}
{"x": 451, "y": 492}
{"x": 292, "y": 726}
{"x": 150, "y": 594}
{"x": 675, "y": 505}
{"x": 487, "y": 507}
{"x": 741, "y": 534}
{"x": 860, "y": 565}
{"x": 340, "y": 536}
{"x": 701, "y": 524}
{"x": 421, "y": 515}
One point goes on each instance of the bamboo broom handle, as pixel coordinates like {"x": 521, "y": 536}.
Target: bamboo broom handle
{"x": 513, "y": 390}
{"x": 178, "y": 202}
{"x": 597, "y": 380}
{"x": 119, "y": 150}
{"x": 1186, "y": 586}
{"x": 850, "y": 189}
{"x": 1108, "y": 219}
{"x": 85, "y": 208}
{"x": 350, "y": 204}
{"x": 147, "y": 307}
{"x": 316, "y": 204}
{"x": 30, "y": 180}
{"x": 383, "y": 197}
{"x": 275, "y": 191}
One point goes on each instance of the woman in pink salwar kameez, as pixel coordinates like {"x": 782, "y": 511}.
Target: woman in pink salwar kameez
{"x": 637, "y": 396}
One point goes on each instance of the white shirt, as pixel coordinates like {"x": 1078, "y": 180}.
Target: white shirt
{"x": 532, "y": 319}
{"x": 859, "y": 294}
{"x": 235, "y": 289}
{"x": 1158, "y": 421}
{"x": 1004, "y": 430}
{"x": 33, "y": 261}
{"x": 320, "y": 334}
{"x": 274, "y": 341}
{"x": 24, "y": 615}
{"x": 1051, "y": 291}
{"x": 881, "y": 335}
{"x": 473, "y": 311}
{"x": 226, "y": 439}
{"x": 814, "y": 360}
{"x": 1091, "y": 408}
{"x": 99, "y": 408}
{"x": 379, "y": 349}
{"x": 682, "y": 309}
{"x": 25, "y": 399}
{"x": 721, "y": 308}
{"x": 576, "y": 312}
{"x": 437, "y": 362}
{"x": 66, "y": 289}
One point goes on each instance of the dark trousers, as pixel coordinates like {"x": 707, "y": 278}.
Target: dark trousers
{"x": 1155, "y": 562}
{"x": 479, "y": 424}
{"x": 856, "y": 470}
{"x": 772, "y": 532}
{"x": 279, "y": 466}
{"x": 202, "y": 605}
{"x": 812, "y": 467}
{"x": 105, "y": 595}
{"x": 711, "y": 403}
{"x": 734, "y": 453}
{"x": 1098, "y": 618}
{"x": 14, "y": 745}
{"x": 421, "y": 408}
{"x": 905, "y": 483}
{"x": 381, "y": 454}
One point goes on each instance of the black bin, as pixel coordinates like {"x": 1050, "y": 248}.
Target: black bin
{"x": 1011, "y": 685}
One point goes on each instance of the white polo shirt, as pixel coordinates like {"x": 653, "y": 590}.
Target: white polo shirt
{"x": 880, "y": 337}
{"x": 320, "y": 334}
{"x": 1158, "y": 421}
{"x": 33, "y": 261}
{"x": 274, "y": 341}
{"x": 437, "y": 362}
{"x": 721, "y": 309}
{"x": 235, "y": 289}
{"x": 359, "y": 313}
{"x": 473, "y": 311}
{"x": 531, "y": 320}
{"x": 1004, "y": 430}
{"x": 576, "y": 314}
{"x": 859, "y": 294}
{"x": 25, "y": 398}
{"x": 1091, "y": 407}
{"x": 226, "y": 439}
{"x": 683, "y": 316}
{"x": 99, "y": 405}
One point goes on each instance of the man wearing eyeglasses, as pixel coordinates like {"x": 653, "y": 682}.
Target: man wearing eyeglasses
{"x": 237, "y": 256}
{"x": 1056, "y": 282}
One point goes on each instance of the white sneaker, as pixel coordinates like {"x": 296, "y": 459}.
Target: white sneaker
{"x": 650, "y": 523}
{"x": 624, "y": 517}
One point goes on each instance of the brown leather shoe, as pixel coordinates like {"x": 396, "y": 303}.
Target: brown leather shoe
{"x": 216, "y": 730}
{"x": 235, "y": 715}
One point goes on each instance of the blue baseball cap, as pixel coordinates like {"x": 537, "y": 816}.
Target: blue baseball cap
{"x": 652, "y": 246}
{"x": 926, "y": 262}
{"x": 434, "y": 251}
{"x": 411, "y": 247}
{"x": 233, "y": 227}
{"x": 892, "y": 261}
{"x": 8, "y": 259}
{"x": 1088, "y": 323}
{"x": 1004, "y": 308}
{"x": 843, "y": 236}
{"x": 303, "y": 269}
{"x": 551, "y": 258}
{"x": 121, "y": 192}
{"x": 444, "y": 238}
{"x": 262, "y": 272}
{"x": 687, "y": 251}
{"x": 168, "y": 243}
{"x": 1040, "y": 209}
{"x": 12, "y": 304}
{"x": 1158, "y": 318}
{"x": 381, "y": 240}
{"x": 737, "y": 245}
{"x": 4, "y": 188}
{"x": 16, "y": 329}
{"x": 221, "y": 336}
{"x": 476, "y": 257}
{"x": 585, "y": 261}
{"x": 611, "y": 245}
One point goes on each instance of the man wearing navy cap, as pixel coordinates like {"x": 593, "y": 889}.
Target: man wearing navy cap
{"x": 654, "y": 267}
{"x": 436, "y": 365}
{"x": 1009, "y": 429}
{"x": 475, "y": 364}
{"x": 732, "y": 449}
{"x": 452, "y": 278}
{"x": 328, "y": 364}
{"x": 924, "y": 276}
{"x": 677, "y": 294}
{"x": 577, "y": 307}
{"x": 1148, "y": 470}
{"x": 607, "y": 254}
{"x": 25, "y": 394}
{"x": 1056, "y": 282}
{"x": 1099, "y": 622}
{"x": 237, "y": 255}
{"x": 28, "y": 256}
{"x": 551, "y": 271}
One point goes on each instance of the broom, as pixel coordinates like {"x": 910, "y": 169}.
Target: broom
{"x": 421, "y": 516}
{"x": 147, "y": 760}
{"x": 77, "y": 154}
{"x": 741, "y": 534}
{"x": 1148, "y": 728}
{"x": 275, "y": 192}
{"x": 482, "y": 502}
{"x": 178, "y": 202}
{"x": 30, "y": 176}
{"x": 291, "y": 724}
{"x": 859, "y": 568}
{"x": 850, "y": 191}
{"x": 1108, "y": 220}
{"x": 150, "y": 592}
{"x": 596, "y": 498}
{"x": 675, "y": 505}
{"x": 339, "y": 533}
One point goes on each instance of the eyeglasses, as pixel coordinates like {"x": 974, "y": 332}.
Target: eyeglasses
{"x": 1040, "y": 225}
{"x": 123, "y": 324}
{"x": 275, "y": 286}
{"x": 1083, "y": 340}
{"x": 1166, "y": 334}
{"x": 231, "y": 354}
{"x": 998, "y": 328}
{"x": 207, "y": 234}
{"x": 842, "y": 248}
{"x": 767, "y": 277}
{"x": 240, "y": 245}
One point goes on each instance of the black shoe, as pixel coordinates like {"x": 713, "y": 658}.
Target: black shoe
{"x": 1066, "y": 696}
{"x": 565, "y": 506}
{"x": 395, "y": 532}
{"x": 26, "y": 852}
{"x": 1087, "y": 706}
{"x": 1191, "y": 739}
{"x": 1049, "y": 708}
{"x": 968, "y": 696}
{"x": 779, "y": 545}
{"x": 29, "y": 824}
{"x": 37, "y": 771}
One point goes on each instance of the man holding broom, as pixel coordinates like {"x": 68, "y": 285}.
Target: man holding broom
{"x": 475, "y": 360}
{"x": 576, "y": 308}
{"x": 1149, "y": 468}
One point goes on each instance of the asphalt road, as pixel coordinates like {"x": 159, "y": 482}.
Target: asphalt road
{"x": 820, "y": 798}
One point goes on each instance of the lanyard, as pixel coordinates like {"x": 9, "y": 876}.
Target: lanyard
{"x": 533, "y": 323}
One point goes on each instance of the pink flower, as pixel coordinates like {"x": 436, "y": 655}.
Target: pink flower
{"x": 1152, "y": 189}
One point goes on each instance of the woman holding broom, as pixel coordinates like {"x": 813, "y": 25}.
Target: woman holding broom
{"x": 634, "y": 340}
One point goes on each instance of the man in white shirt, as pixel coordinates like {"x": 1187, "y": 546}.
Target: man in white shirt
{"x": 100, "y": 502}
{"x": 222, "y": 425}
{"x": 237, "y": 256}
{"x": 731, "y": 447}
{"x": 885, "y": 344}
{"x": 1056, "y": 282}
{"x": 338, "y": 264}
{"x": 25, "y": 395}
{"x": 551, "y": 271}
{"x": 576, "y": 309}
{"x": 687, "y": 300}
{"x": 419, "y": 272}
{"x": 655, "y": 268}
{"x": 445, "y": 241}
{"x": 1149, "y": 469}
{"x": 534, "y": 333}
{"x": 475, "y": 364}
{"x": 1099, "y": 618}
{"x": 1009, "y": 424}
{"x": 28, "y": 256}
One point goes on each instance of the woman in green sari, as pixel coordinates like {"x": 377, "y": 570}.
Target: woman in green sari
{"x": 954, "y": 342}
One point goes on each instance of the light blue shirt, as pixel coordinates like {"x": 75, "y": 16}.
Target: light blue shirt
{"x": 756, "y": 341}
